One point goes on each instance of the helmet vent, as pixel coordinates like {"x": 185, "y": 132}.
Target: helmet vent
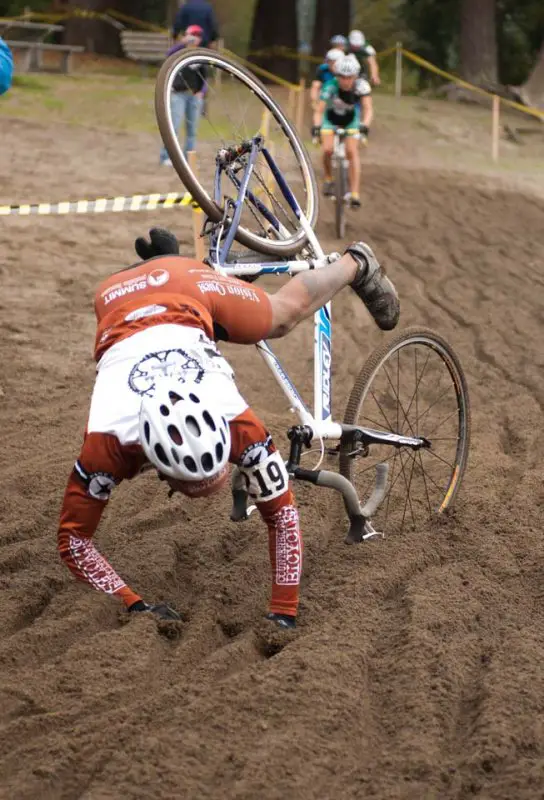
{"x": 161, "y": 455}
{"x": 219, "y": 451}
{"x": 208, "y": 419}
{"x": 193, "y": 426}
{"x": 190, "y": 463}
{"x": 175, "y": 435}
{"x": 174, "y": 398}
{"x": 194, "y": 398}
{"x": 165, "y": 411}
{"x": 223, "y": 436}
{"x": 207, "y": 462}
{"x": 174, "y": 455}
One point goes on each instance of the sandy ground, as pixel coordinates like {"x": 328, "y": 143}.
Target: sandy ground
{"x": 416, "y": 671}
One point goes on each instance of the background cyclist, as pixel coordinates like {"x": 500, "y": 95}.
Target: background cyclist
{"x": 366, "y": 56}
{"x": 324, "y": 74}
{"x": 340, "y": 105}
{"x": 340, "y": 42}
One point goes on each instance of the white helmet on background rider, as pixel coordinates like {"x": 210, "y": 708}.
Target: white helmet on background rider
{"x": 347, "y": 67}
{"x": 334, "y": 54}
{"x": 185, "y": 436}
{"x": 356, "y": 40}
{"x": 339, "y": 41}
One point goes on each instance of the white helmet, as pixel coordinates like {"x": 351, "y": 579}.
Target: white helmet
{"x": 347, "y": 67}
{"x": 357, "y": 39}
{"x": 334, "y": 54}
{"x": 182, "y": 432}
{"x": 339, "y": 41}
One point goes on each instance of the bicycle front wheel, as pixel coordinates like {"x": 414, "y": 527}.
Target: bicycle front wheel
{"x": 238, "y": 108}
{"x": 340, "y": 196}
{"x": 413, "y": 386}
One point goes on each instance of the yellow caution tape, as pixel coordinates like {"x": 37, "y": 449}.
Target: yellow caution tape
{"x": 137, "y": 202}
{"x": 460, "y": 82}
{"x": 261, "y": 71}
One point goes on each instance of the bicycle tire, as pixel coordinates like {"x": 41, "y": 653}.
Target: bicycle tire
{"x": 340, "y": 194}
{"x": 363, "y": 383}
{"x": 282, "y": 247}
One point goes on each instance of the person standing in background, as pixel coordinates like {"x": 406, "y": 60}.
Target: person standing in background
{"x": 187, "y": 94}
{"x": 201, "y": 13}
{"x": 6, "y": 67}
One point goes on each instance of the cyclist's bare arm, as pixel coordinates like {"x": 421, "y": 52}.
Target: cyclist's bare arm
{"x": 368, "y": 110}
{"x": 318, "y": 113}
{"x": 315, "y": 91}
{"x": 373, "y": 69}
{"x": 306, "y": 292}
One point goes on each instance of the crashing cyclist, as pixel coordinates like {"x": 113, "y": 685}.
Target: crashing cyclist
{"x": 165, "y": 399}
{"x": 341, "y": 102}
{"x": 365, "y": 55}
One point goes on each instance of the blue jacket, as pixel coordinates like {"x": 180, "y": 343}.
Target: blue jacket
{"x": 197, "y": 12}
{"x": 6, "y": 67}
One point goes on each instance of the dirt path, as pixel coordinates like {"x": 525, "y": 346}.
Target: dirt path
{"x": 417, "y": 669}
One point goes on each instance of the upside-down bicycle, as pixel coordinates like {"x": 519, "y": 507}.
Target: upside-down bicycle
{"x": 404, "y": 441}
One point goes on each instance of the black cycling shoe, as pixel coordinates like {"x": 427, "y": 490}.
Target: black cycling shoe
{"x": 285, "y": 621}
{"x": 160, "y": 610}
{"x": 162, "y": 243}
{"x": 374, "y": 288}
{"x": 328, "y": 188}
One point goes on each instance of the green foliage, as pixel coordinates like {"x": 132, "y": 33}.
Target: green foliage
{"x": 13, "y": 8}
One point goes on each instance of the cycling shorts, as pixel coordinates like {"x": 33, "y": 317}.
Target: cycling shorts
{"x": 350, "y": 124}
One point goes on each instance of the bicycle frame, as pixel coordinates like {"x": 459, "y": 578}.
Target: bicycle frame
{"x": 319, "y": 423}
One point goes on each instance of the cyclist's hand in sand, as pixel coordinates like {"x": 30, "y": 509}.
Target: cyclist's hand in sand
{"x": 160, "y": 610}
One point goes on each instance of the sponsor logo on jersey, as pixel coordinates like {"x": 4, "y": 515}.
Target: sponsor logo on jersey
{"x": 288, "y": 547}
{"x": 145, "y": 311}
{"x": 255, "y": 453}
{"x": 98, "y": 484}
{"x": 169, "y": 363}
{"x": 224, "y": 288}
{"x": 158, "y": 277}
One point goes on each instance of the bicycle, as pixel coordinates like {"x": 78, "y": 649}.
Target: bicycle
{"x": 409, "y": 389}
{"x": 340, "y": 166}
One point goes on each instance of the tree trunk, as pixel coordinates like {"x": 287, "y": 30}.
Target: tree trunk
{"x": 479, "y": 59}
{"x": 331, "y": 17}
{"x": 275, "y": 23}
{"x": 532, "y": 91}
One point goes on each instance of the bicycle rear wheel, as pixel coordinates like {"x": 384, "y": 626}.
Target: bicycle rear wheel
{"x": 236, "y": 102}
{"x": 413, "y": 385}
{"x": 340, "y": 195}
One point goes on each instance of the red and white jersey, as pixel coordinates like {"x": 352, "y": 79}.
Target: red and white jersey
{"x": 180, "y": 291}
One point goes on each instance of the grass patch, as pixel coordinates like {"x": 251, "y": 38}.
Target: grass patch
{"x": 30, "y": 83}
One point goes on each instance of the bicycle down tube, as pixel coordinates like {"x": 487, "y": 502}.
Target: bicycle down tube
{"x": 322, "y": 412}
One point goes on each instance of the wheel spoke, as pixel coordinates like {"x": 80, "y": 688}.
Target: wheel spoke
{"x": 398, "y": 404}
{"x": 382, "y": 412}
{"x": 425, "y": 483}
